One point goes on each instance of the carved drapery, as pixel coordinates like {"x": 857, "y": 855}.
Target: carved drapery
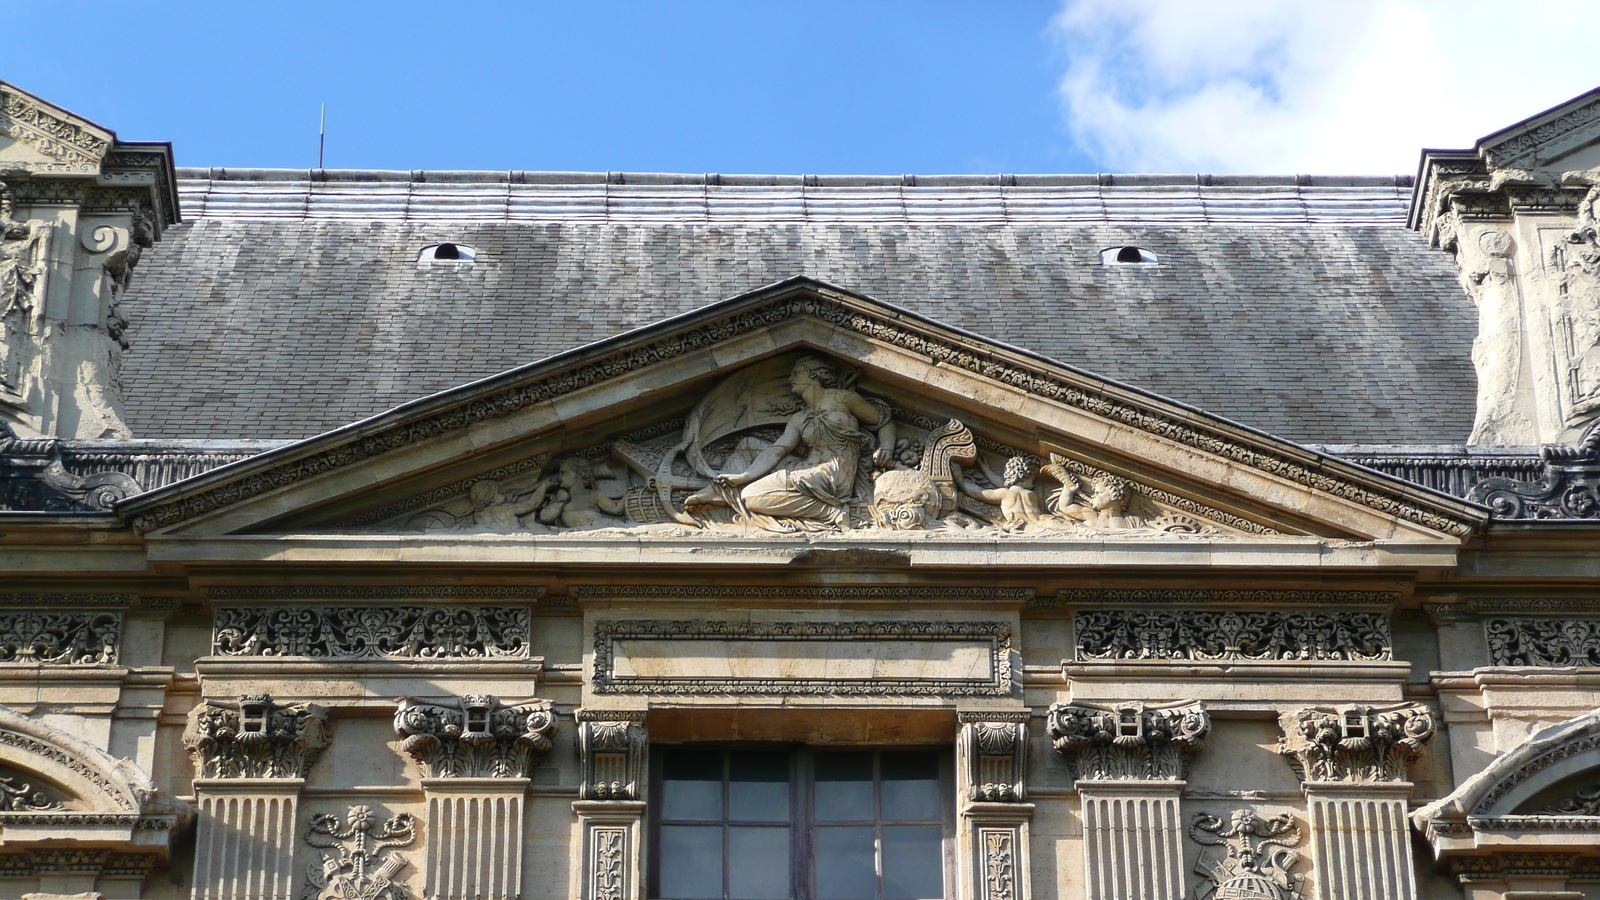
{"x": 1247, "y": 856}
{"x": 392, "y": 632}
{"x": 60, "y": 637}
{"x": 1534, "y": 641}
{"x": 358, "y": 859}
{"x": 475, "y": 737}
{"x": 1130, "y": 741}
{"x": 1253, "y": 635}
{"x": 255, "y": 738}
{"x": 1354, "y": 743}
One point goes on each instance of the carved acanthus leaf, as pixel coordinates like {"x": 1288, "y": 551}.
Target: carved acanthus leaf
{"x": 395, "y": 632}
{"x": 1534, "y": 641}
{"x": 1130, "y": 741}
{"x": 475, "y": 737}
{"x": 611, "y": 747}
{"x": 255, "y": 737}
{"x": 1355, "y": 743}
{"x": 74, "y": 638}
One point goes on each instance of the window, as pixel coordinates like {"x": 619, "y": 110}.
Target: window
{"x": 447, "y": 253}
{"x": 1127, "y": 256}
{"x": 761, "y": 824}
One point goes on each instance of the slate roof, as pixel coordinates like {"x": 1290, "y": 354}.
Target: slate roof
{"x": 291, "y": 302}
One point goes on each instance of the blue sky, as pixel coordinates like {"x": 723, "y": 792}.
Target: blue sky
{"x": 871, "y": 86}
{"x": 812, "y": 87}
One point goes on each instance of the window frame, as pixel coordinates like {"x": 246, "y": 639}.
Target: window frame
{"x": 802, "y": 822}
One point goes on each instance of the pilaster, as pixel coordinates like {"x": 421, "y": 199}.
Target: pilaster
{"x": 1130, "y": 763}
{"x": 992, "y": 763}
{"x": 1352, "y": 764}
{"x": 253, "y": 757}
{"x": 478, "y": 753}
{"x": 609, "y": 863}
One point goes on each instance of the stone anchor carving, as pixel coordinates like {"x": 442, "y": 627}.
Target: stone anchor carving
{"x": 1257, "y": 859}
{"x": 360, "y": 866}
{"x": 478, "y": 737}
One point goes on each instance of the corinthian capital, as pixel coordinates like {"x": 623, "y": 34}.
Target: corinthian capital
{"x": 255, "y": 737}
{"x": 475, "y": 737}
{"x": 1355, "y": 743}
{"x": 1130, "y": 741}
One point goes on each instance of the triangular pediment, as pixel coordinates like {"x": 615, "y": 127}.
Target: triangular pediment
{"x": 801, "y": 409}
{"x": 1564, "y": 137}
{"x": 39, "y": 138}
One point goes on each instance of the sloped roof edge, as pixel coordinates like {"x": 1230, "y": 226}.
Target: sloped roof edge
{"x": 516, "y": 388}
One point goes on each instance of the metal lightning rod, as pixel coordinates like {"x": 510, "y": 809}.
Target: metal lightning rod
{"x": 322, "y": 135}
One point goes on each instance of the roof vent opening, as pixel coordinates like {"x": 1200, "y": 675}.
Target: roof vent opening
{"x": 1127, "y": 256}
{"x": 451, "y": 253}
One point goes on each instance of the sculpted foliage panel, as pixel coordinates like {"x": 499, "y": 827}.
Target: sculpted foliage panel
{"x": 395, "y": 632}
{"x": 1258, "y": 635}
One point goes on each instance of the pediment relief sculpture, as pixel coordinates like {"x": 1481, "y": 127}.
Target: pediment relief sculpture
{"x": 793, "y": 445}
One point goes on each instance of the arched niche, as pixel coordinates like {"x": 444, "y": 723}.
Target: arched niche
{"x": 77, "y": 793}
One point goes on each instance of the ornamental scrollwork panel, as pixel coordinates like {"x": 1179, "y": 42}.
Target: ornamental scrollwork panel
{"x": 475, "y": 737}
{"x": 358, "y": 862}
{"x": 1246, "y": 856}
{"x": 62, "y": 638}
{"x": 385, "y": 632}
{"x": 1130, "y": 741}
{"x": 1255, "y": 635}
{"x": 255, "y": 737}
{"x": 1534, "y": 641}
{"x": 1355, "y": 743}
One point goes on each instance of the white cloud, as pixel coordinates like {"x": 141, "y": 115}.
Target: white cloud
{"x": 1264, "y": 87}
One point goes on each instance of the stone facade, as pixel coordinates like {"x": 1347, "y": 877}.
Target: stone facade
{"x": 800, "y": 594}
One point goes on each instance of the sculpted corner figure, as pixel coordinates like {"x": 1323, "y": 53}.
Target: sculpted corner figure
{"x": 578, "y": 504}
{"x": 812, "y": 494}
{"x": 1018, "y": 500}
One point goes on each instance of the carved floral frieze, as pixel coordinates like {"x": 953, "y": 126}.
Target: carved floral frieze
{"x": 394, "y": 632}
{"x": 255, "y": 737}
{"x": 1355, "y": 743}
{"x": 1246, "y": 857}
{"x": 477, "y": 736}
{"x": 358, "y": 862}
{"x": 1246, "y": 635}
{"x": 41, "y": 636}
{"x": 1535, "y": 641}
{"x": 1130, "y": 741}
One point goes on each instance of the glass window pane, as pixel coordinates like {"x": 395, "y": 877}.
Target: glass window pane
{"x": 911, "y": 787}
{"x": 758, "y": 863}
{"x": 913, "y": 862}
{"x": 844, "y": 862}
{"x": 691, "y": 785}
{"x": 758, "y": 788}
{"x": 691, "y": 862}
{"x": 843, "y": 791}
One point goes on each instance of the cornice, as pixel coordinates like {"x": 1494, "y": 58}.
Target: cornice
{"x": 809, "y": 593}
{"x": 1221, "y": 599}
{"x": 520, "y": 389}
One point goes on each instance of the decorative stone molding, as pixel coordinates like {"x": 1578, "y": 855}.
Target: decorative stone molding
{"x": 989, "y": 640}
{"x": 1581, "y": 802}
{"x": 1524, "y": 641}
{"x": 67, "y": 638}
{"x": 255, "y": 738}
{"x": 361, "y": 864}
{"x": 367, "y": 632}
{"x": 840, "y": 311}
{"x": 476, "y": 737}
{"x": 1249, "y": 635}
{"x": 1130, "y": 741}
{"x": 1255, "y": 858}
{"x": 389, "y": 593}
{"x": 475, "y": 844}
{"x": 1569, "y": 487}
{"x": 1535, "y": 605}
{"x": 779, "y": 593}
{"x": 1354, "y": 743}
{"x": 611, "y": 748}
{"x": 610, "y": 858}
{"x": 993, "y": 749}
{"x": 1224, "y": 599}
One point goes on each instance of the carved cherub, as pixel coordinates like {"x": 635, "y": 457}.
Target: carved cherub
{"x": 578, "y": 504}
{"x": 1020, "y": 508}
{"x": 492, "y": 510}
{"x": 1105, "y": 507}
